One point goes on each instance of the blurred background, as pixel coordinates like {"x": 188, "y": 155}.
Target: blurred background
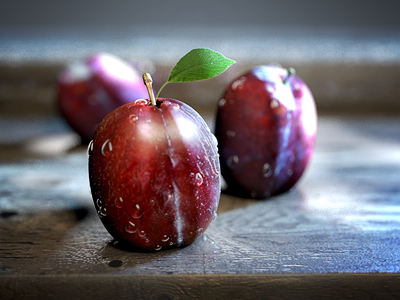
{"x": 313, "y": 13}
{"x": 348, "y": 52}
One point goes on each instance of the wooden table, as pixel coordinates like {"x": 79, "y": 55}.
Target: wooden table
{"x": 335, "y": 235}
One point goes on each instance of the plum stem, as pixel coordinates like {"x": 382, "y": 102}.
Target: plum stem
{"x": 159, "y": 91}
{"x": 291, "y": 71}
{"x": 148, "y": 81}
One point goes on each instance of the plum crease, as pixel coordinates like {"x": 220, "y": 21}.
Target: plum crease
{"x": 178, "y": 221}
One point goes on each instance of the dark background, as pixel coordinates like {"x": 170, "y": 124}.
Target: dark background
{"x": 314, "y": 13}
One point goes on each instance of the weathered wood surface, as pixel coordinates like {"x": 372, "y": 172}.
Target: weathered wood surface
{"x": 337, "y": 234}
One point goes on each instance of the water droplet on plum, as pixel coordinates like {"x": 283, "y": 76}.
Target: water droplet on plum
{"x": 133, "y": 118}
{"x": 106, "y": 149}
{"x": 130, "y": 227}
{"x": 142, "y": 233}
{"x": 232, "y": 161}
{"x": 141, "y": 102}
{"x": 274, "y": 103}
{"x": 158, "y": 247}
{"x": 90, "y": 147}
{"x": 215, "y": 216}
{"x": 267, "y": 170}
{"x": 230, "y": 134}
{"x": 199, "y": 179}
{"x": 136, "y": 212}
{"x": 165, "y": 238}
{"x": 102, "y": 212}
{"x": 238, "y": 83}
{"x": 222, "y": 102}
{"x": 119, "y": 202}
{"x": 175, "y": 106}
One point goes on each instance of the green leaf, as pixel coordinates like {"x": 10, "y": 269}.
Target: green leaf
{"x": 199, "y": 64}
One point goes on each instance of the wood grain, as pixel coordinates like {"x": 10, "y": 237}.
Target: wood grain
{"x": 335, "y": 235}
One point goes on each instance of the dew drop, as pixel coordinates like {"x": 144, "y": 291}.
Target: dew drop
{"x": 199, "y": 179}
{"x": 90, "y": 147}
{"x": 133, "y": 118}
{"x": 232, "y": 161}
{"x": 175, "y": 106}
{"x": 230, "y": 134}
{"x": 165, "y": 238}
{"x": 215, "y": 216}
{"x": 106, "y": 149}
{"x": 136, "y": 212}
{"x": 274, "y": 103}
{"x": 200, "y": 230}
{"x": 238, "y": 83}
{"x": 141, "y": 102}
{"x": 146, "y": 241}
{"x": 158, "y": 247}
{"x": 142, "y": 233}
{"x": 119, "y": 202}
{"x": 267, "y": 170}
{"x": 171, "y": 243}
{"x": 222, "y": 102}
{"x": 130, "y": 227}
{"x": 99, "y": 203}
{"x": 102, "y": 212}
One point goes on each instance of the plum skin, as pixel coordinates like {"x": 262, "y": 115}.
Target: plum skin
{"x": 158, "y": 185}
{"x": 266, "y": 130}
{"x": 90, "y": 89}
